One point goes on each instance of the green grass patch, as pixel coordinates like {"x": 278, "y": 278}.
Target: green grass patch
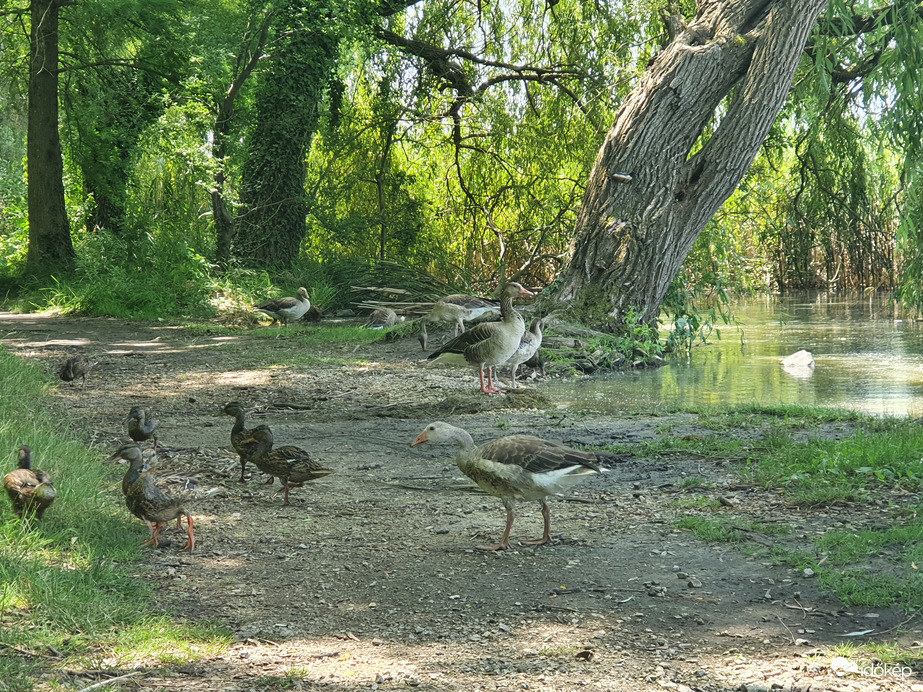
{"x": 729, "y": 529}
{"x": 64, "y": 581}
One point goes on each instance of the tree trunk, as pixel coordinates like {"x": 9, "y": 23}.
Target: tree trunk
{"x": 50, "y": 245}
{"x": 272, "y": 227}
{"x": 649, "y": 196}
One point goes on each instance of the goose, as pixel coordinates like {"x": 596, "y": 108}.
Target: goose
{"x": 382, "y": 318}
{"x": 155, "y": 498}
{"x": 528, "y": 347}
{"x": 491, "y": 343}
{"x": 293, "y": 466}
{"x": 72, "y": 368}
{"x": 239, "y": 435}
{"x": 142, "y": 424}
{"x": 455, "y": 309}
{"x": 287, "y": 310}
{"x": 515, "y": 467}
{"x": 30, "y": 491}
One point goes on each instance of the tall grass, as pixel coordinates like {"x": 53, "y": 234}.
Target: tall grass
{"x": 65, "y": 590}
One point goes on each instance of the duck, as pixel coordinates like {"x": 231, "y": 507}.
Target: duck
{"x": 74, "y": 367}
{"x": 154, "y": 498}
{"x": 239, "y": 434}
{"x": 515, "y": 467}
{"x": 293, "y": 466}
{"x": 455, "y": 309}
{"x": 491, "y": 343}
{"x": 31, "y": 491}
{"x": 285, "y": 310}
{"x": 142, "y": 424}
{"x": 528, "y": 347}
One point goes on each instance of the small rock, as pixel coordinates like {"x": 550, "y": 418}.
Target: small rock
{"x": 694, "y": 583}
{"x": 808, "y": 573}
{"x": 377, "y": 642}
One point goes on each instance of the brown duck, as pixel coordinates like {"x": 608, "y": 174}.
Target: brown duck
{"x": 293, "y": 466}
{"x": 31, "y": 491}
{"x": 72, "y": 368}
{"x": 516, "y": 466}
{"x": 490, "y": 344}
{"x": 287, "y": 310}
{"x": 240, "y": 436}
{"x": 142, "y": 424}
{"x": 153, "y": 498}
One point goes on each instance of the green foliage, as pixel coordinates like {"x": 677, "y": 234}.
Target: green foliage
{"x": 63, "y": 582}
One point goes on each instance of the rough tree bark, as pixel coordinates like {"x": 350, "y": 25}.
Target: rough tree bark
{"x": 50, "y": 245}
{"x": 649, "y": 196}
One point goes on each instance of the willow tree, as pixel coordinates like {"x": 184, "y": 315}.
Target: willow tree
{"x": 657, "y": 179}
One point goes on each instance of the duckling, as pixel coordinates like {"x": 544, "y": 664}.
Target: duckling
{"x": 239, "y": 435}
{"x": 142, "y": 424}
{"x": 150, "y": 497}
{"x": 31, "y": 491}
{"x": 72, "y": 368}
{"x": 293, "y": 466}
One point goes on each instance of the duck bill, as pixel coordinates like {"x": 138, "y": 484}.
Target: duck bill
{"x": 421, "y": 438}
{"x": 526, "y": 292}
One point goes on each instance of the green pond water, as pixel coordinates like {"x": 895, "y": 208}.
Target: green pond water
{"x": 867, "y": 358}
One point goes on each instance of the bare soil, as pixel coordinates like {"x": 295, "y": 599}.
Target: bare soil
{"x": 371, "y": 578}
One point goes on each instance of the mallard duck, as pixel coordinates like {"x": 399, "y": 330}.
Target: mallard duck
{"x": 142, "y": 424}
{"x": 154, "y": 498}
{"x": 31, "y": 491}
{"x": 77, "y": 366}
{"x": 287, "y": 310}
{"x": 516, "y": 466}
{"x": 491, "y": 343}
{"x": 239, "y": 435}
{"x": 528, "y": 347}
{"x": 293, "y": 466}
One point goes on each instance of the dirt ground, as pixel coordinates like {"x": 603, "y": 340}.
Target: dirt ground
{"x": 371, "y": 579}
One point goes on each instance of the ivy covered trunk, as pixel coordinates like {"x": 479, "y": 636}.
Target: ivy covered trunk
{"x": 50, "y": 245}
{"x": 272, "y": 226}
{"x": 649, "y": 196}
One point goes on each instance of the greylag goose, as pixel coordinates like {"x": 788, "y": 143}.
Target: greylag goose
{"x": 528, "y": 347}
{"x": 154, "y": 498}
{"x": 142, "y": 424}
{"x": 455, "y": 309}
{"x": 30, "y": 491}
{"x": 239, "y": 437}
{"x": 516, "y": 466}
{"x": 491, "y": 343}
{"x": 293, "y": 466}
{"x": 77, "y": 366}
{"x": 382, "y": 318}
{"x": 287, "y": 310}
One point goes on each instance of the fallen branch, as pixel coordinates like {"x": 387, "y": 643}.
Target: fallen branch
{"x": 103, "y": 683}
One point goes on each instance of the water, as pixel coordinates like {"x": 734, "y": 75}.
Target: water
{"x": 866, "y": 360}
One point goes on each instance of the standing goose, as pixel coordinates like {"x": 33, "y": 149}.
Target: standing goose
{"x": 491, "y": 343}
{"x": 287, "y": 310}
{"x": 142, "y": 424}
{"x": 72, "y": 368}
{"x": 455, "y": 309}
{"x": 153, "y": 498}
{"x": 528, "y": 347}
{"x": 293, "y": 466}
{"x": 239, "y": 436}
{"x": 30, "y": 491}
{"x": 516, "y": 466}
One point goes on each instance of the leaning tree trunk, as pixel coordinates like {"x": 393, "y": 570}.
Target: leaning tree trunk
{"x": 50, "y": 245}
{"x": 649, "y": 197}
{"x": 272, "y": 227}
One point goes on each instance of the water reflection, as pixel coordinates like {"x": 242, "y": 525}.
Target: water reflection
{"x": 866, "y": 360}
